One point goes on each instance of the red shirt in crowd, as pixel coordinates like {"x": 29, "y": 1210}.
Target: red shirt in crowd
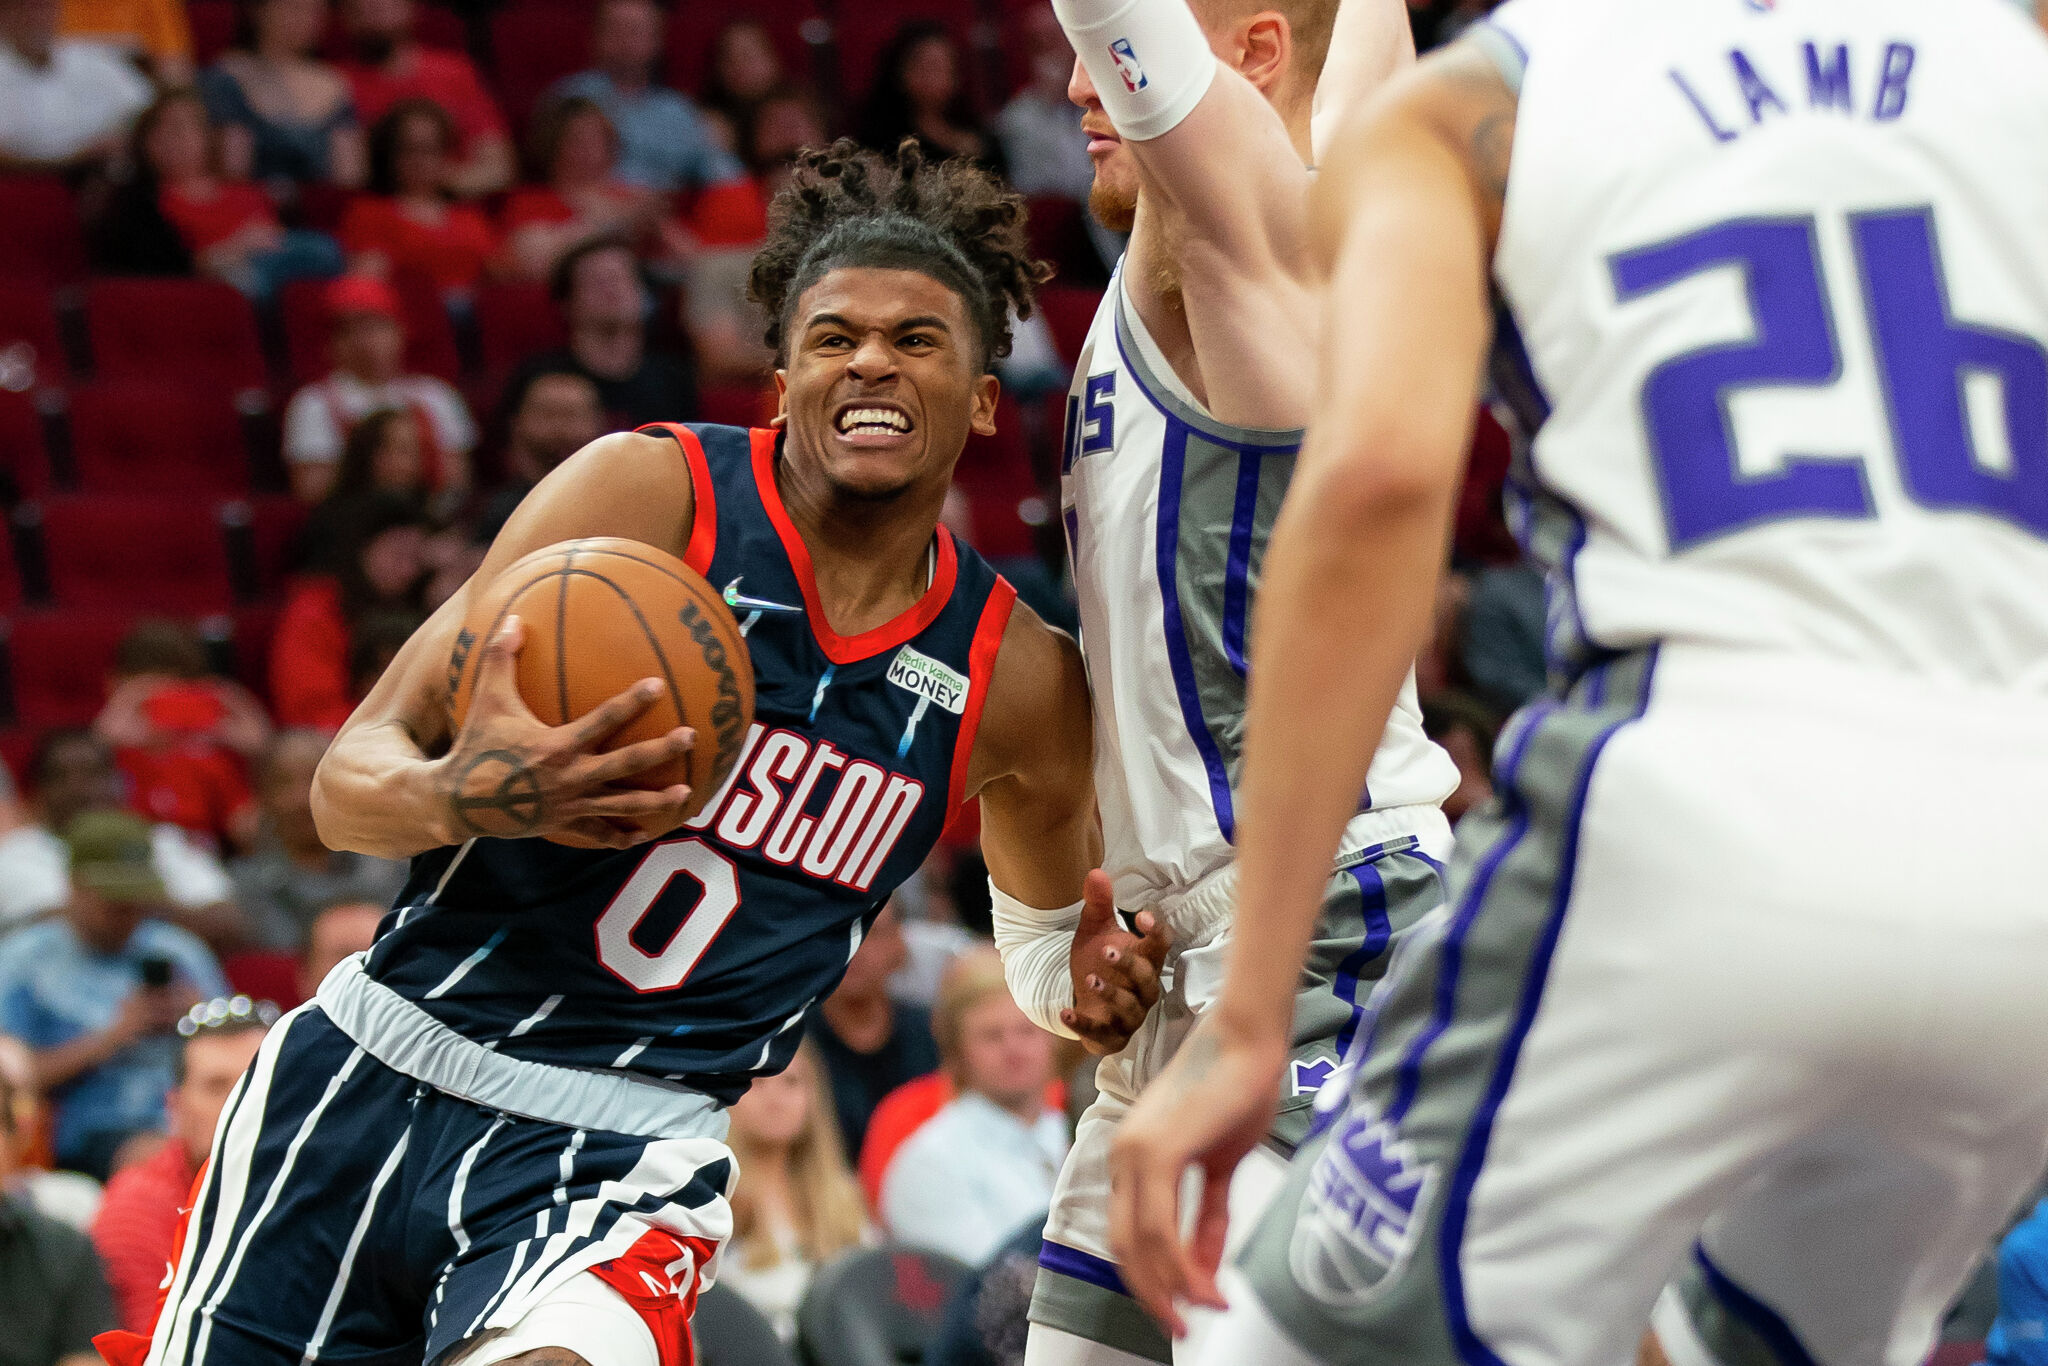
{"x": 453, "y": 253}
{"x": 136, "y": 1231}
{"x": 207, "y": 222}
{"x": 309, "y": 682}
{"x": 449, "y": 79}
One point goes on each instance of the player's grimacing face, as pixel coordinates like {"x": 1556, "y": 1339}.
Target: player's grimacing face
{"x": 884, "y": 380}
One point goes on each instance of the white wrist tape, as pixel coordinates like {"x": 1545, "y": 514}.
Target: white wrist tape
{"x": 1037, "y": 948}
{"x": 1149, "y": 60}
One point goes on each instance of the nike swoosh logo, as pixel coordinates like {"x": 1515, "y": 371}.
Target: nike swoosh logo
{"x": 736, "y": 599}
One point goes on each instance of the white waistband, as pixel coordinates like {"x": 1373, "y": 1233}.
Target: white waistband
{"x": 406, "y": 1039}
{"x": 1194, "y": 916}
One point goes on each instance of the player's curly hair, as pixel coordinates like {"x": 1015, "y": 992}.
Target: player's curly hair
{"x": 953, "y": 221}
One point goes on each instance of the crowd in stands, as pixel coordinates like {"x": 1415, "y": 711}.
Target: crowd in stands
{"x": 401, "y": 261}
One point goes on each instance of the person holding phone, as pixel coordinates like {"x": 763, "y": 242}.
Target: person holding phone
{"x": 97, "y": 992}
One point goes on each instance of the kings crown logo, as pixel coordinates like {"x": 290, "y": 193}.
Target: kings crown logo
{"x": 1368, "y": 1196}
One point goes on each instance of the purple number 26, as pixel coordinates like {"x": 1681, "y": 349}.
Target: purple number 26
{"x": 1924, "y": 355}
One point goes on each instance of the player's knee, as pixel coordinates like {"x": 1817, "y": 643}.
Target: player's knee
{"x": 546, "y": 1356}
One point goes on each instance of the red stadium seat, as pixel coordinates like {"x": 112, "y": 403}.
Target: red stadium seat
{"x": 860, "y": 43}
{"x": 24, "y": 463}
{"x": 1058, "y": 231}
{"x": 153, "y": 436}
{"x": 17, "y": 746}
{"x": 514, "y": 320}
{"x": 1069, "y": 313}
{"x": 213, "y": 29}
{"x": 135, "y": 552}
{"x": 433, "y": 25}
{"x": 429, "y": 335}
{"x": 736, "y": 405}
{"x": 10, "y": 580}
{"x": 995, "y": 474}
{"x": 61, "y": 661}
{"x": 302, "y": 306}
{"x": 535, "y": 43}
{"x": 274, "y": 522}
{"x": 264, "y": 976}
{"x": 191, "y": 331}
{"x": 253, "y": 628}
{"x": 40, "y": 235}
{"x": 690, "y": 36}
{"x": 31, "y": 347}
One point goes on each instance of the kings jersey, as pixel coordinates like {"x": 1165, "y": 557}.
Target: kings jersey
{"x": 696, "y": 957}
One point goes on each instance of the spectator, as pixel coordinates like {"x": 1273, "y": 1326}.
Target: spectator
{"x": 367, "y": 343}
{"x": 797, "y": 1206}
{"x": 229, "y": 227}
{"x": 136, "y": 1230}
{"x": 63, "y": 103}
{"x": 71, "y": 1198}
{"x": 153, "y": 32}
{"x": 96, "y": 992}
{"x": 785, "y": 122}
{"x": 383, "y": 454}
{"x": 919, "y": 92}
{"x": 600, "y": 287}
{"x": 1466, "y": 728}
{"x": 406, "y": 221}
{"x": 665, "y": 144}
{"x": 290, "y": 876}
{"x": 71, "y": 772}
{"x": 341, "y": 931}
{"x": 381, "y": 550}
{"x": 2019, "y": 1335}
{"x": 389, "y": 66}
{"x": 50, "y": 1282}
{"x": 1038, "y": 125}
{"x": 286, "y": 117}
{"x": 553, "y": 414}
{"x": 1037, "y": 130}
{"x": 987, "y": 1162}
{"x": 744, "y": 70}
{"x": 575, "y": 149}
{"x": 870, "y": 1044}
{"x": 182, "y": 735}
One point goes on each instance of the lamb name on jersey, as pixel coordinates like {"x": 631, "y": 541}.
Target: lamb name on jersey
{"x": 695, "y": 958}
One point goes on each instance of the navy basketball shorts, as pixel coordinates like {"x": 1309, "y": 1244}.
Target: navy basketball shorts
{"x": 352, "y": 1213}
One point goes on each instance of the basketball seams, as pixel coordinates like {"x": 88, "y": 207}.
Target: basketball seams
{"x": 562, "y": 633}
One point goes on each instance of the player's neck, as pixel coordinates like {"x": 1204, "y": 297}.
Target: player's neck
{"x": 871, "y": 558}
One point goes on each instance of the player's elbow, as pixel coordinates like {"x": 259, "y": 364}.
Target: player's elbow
{"x": 1376, "y": 478}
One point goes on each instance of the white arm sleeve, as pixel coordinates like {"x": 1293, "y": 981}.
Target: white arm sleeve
{"x": 1149, "y": 60}
{"x": 1036, "y": 947}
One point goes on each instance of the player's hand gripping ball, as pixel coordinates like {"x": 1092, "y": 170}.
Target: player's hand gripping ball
{"x": 600, "y": 614}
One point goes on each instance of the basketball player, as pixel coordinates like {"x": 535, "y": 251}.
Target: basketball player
{"x": 1770, "y": 279}
{"x": 497, "y": 1136}
{"x": 1182, "y": 429}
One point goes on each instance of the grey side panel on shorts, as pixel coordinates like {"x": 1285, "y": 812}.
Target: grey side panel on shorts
{"x": 1724, "y": 1334}
{"x": 1098, "y": 1315}
{"x": 1357, "y": 1256}
{"x": 1372, "y": 900}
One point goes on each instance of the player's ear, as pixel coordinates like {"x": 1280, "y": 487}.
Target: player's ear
{"x": 1263, "y": 47}
{"x": 781, "y": 418}
{"x": 981, "y": 419}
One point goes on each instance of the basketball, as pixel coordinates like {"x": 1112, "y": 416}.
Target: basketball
{"x": 601, "y": 614}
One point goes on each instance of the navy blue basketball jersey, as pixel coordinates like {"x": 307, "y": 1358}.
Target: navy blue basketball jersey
{"x": 695, "y": 958}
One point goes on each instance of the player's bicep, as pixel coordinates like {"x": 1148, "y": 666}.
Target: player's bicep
{"x": 1229, "y": 177}
{"x": 1033, "y": 767}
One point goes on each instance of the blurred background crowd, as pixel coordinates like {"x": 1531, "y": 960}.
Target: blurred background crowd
{"x": 297, "y": 301}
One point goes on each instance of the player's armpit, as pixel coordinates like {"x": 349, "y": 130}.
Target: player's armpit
{"x": 1033, "y": 766}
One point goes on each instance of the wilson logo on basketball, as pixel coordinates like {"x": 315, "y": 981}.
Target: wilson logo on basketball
{"x": 781, "y": 780}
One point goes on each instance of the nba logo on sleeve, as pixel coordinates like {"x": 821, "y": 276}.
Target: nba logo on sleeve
{"x": 1127, "y": 65}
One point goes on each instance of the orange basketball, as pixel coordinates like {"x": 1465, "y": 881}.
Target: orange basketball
{"x": 600, "y": 615}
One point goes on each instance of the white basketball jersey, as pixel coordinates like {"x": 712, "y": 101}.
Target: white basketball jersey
{"x": 1167, "y": 514}
{"x": 1775, "y": 286}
